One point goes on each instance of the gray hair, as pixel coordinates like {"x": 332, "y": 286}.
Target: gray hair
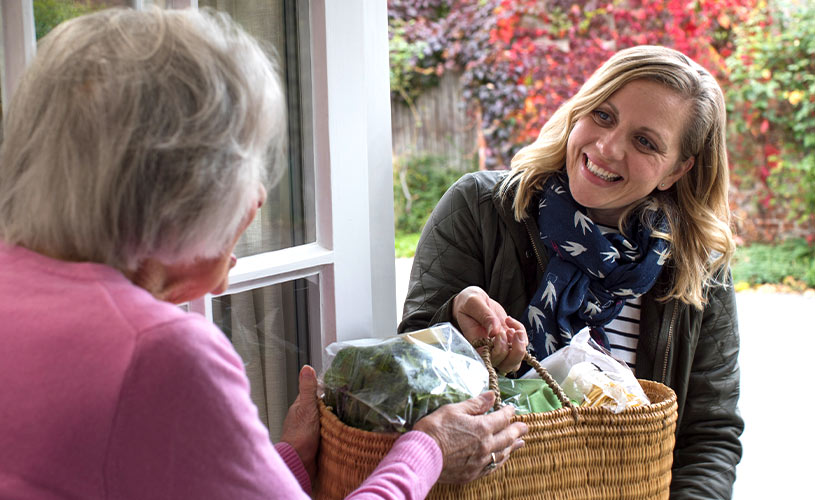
{"x": 138, "y": 134}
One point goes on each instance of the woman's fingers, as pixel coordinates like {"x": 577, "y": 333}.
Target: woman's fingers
{"x": 515, "y": 354}
{"x": 500, "y": 348}
{"x": 506, "y": 440}
{"x": 479, "y": 316}
{"x": 472, "y": 311}
{"x": 301, "y": 427}
{"x": 468, "y": 438}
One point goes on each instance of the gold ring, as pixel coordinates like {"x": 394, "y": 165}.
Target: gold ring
{"x": 492, "y": 465}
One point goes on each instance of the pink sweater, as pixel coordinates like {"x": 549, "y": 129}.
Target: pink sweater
{"x": 106, "y": 392}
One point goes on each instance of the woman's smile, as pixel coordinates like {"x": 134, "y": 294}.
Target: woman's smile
{"x": 627, "y": 147}
{"x": 598, "y": 172}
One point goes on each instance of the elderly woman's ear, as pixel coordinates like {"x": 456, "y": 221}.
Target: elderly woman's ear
{"x": 184, "y": 281}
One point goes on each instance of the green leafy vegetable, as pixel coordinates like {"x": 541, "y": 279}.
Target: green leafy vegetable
{"x": 387, "y": 387}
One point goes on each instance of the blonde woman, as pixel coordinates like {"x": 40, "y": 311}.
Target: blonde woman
{"x": 135, "y": 155}
{"x": 615, "y": 218}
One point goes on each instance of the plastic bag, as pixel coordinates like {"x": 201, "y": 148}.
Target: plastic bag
{"x": 387, "y": 384}
{"x": 588, "y": 373}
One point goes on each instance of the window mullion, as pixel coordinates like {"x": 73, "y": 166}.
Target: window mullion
{"x": 19, "y": 42}
{"x": 202, "y": 306}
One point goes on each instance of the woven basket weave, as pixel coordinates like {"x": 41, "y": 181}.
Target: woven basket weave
{"x": 571, "y": 453}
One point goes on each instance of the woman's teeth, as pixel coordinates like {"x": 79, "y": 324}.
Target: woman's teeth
{"x": 601, "y": 173}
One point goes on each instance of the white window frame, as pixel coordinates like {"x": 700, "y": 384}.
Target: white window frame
{"x": 347, "y": 155}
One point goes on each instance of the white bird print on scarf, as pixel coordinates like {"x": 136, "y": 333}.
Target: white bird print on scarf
{"x": 551, "y": 343}
{"x": 583, "y": 220}
{"x": 550, "y": 296}
{"x": 612, "y": 255}
{"x": 663, "y": 256}
{"x": 573, "y": 248}
{"x": 592, "y": 308}
{"x": 536, "y": 317}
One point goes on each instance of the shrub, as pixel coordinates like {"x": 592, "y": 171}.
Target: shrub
{"x": 771, "y": 105}
{"x": 792, "y": 260}
{"x": 418, "y": 184}
{"x": 49, "y": 13}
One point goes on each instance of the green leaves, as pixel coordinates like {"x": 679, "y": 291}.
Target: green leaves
{"x": 771, "y": 99}
{"x": 790, "y": 261}
{"x": 387, "y": 387}
{"x": 49, "y": 13}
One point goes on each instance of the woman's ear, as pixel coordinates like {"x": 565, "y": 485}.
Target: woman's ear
{"x": 677, "y": 174}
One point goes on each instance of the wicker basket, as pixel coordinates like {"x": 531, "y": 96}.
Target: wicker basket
{"x": 571, "y": 453}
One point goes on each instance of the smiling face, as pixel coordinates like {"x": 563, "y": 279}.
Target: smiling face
{"x": 625, "y": 148}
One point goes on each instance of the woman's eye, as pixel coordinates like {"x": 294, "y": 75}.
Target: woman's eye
{"x": 642, "y": 141}
{"x": 602, "y": 115}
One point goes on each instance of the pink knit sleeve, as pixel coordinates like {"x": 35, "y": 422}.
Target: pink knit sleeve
{"x": 407, "y": 472}
{"x": 295, "y": 465}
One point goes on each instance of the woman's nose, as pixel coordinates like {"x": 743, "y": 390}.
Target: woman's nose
{"x": 611, "y": 145}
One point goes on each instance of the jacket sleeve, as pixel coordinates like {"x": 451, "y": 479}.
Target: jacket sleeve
{"x": 448, "y": 257}
{"x": 708, "y": 447}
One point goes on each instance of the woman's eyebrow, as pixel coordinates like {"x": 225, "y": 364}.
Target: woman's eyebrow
{"x": 656, "y": 135}
{"x": 612, "y": 106}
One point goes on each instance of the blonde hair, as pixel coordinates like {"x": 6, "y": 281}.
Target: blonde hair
{"x": 696, "y": 207}
{"x": 138, "y": 134}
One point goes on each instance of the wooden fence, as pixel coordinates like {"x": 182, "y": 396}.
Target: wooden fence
{"x": 437, "y": 124}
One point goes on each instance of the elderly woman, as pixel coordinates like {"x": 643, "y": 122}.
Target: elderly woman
{"x": 615, "y": 218}
{"x": 134, "y": 157}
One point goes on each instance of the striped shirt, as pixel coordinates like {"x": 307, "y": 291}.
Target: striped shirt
{"x": 623, "y": 331}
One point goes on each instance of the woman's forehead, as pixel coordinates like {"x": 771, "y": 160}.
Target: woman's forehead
{"x": 650, "y": 105}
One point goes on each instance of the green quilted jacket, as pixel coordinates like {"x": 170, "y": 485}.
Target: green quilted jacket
{"x": 472, "y": 238}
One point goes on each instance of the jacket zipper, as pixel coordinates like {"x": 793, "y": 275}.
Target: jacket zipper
{"x": 534, "y": 247}
{"x": 668, "y": 346}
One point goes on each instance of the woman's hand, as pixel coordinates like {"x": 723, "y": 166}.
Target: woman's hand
{"x": 469, "y": 440}
{"x": 479, "y": 316}
{"x": 301, "y": 427}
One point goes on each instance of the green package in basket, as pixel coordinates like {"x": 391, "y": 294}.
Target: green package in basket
{"x": 528, "y": 395}
{"x": 386, "y": 385}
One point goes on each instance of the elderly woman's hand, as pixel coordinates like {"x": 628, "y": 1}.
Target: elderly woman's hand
{"x": 470, "y": 440}
{"x": 478, "y": 316}
{"x": 301, "y": 427}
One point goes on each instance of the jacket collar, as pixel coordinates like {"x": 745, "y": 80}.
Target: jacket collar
{"x": 525, "y": 237}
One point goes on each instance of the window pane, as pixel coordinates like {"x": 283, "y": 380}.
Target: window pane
{"x": 282, "y": 222}
{"x": 269, "y": 329}
{"x": 49, "y": 13}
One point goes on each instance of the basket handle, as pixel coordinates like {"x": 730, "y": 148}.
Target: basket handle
{"x": 483, "y": 347}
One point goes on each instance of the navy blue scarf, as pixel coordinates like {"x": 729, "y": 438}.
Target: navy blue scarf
{"x": 589, "y": 275}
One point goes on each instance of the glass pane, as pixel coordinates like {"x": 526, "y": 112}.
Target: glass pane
{"x": 282, "y": 222}
{"x": 49, "y": 13}
{"x": 269, "y": 328}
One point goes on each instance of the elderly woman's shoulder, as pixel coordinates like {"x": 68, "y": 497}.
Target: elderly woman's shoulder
{"x": 156, "y": 325}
